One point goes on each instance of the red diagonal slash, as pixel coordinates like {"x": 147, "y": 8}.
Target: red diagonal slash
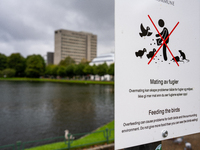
{"x": 163, "y": 41}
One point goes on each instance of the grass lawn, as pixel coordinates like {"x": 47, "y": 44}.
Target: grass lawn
{"x": 57, "y": 80}
{"x": 95, "y": 137}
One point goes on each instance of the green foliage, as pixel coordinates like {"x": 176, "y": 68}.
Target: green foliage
{"x": 102, "y": 69}
{"x": 70, "y": 71}
{"x": 48, "y": 70}
{"x": 1, "y": 73}
{"x": 88, "y": 69}
{"x": 94, "y": 70}
{"x": 8, "y": 72}
{"x": 3, "y": 61}
{"x": 67, "y": 61}
{"x": 33, "y": 73}
{"x": 54, "y": 70}
{"x": 84, "y": 61}
{"x": 35, "y": 66}
{"x": 78, "y": 69}
{"x": 61, "y": 71}
{"x": 17, "y": 62}
{"x": 111, "y": 69}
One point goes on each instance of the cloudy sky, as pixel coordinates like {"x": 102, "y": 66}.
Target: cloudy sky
{"x": 27, "y": 26}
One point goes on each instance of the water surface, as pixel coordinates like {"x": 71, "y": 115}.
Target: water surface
{"x": 35, "y": 110}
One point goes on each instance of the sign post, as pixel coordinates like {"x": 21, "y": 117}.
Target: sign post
{"x": 157, "y": 70}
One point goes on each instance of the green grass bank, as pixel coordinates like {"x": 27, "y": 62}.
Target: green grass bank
{"x": 58, "y": 80}
{"x": 96, "y": 137}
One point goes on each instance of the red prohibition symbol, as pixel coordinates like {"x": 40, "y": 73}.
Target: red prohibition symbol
{"x": 164, "y": 41}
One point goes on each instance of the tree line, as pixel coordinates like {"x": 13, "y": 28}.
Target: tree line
{"x": 34, "y": 66}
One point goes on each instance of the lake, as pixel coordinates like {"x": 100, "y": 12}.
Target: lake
{"x": 38, "y": 110}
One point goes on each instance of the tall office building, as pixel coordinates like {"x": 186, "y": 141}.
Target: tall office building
{"x": 77, "y": 45}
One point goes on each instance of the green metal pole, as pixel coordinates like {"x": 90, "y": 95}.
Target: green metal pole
{"x": 18, "y": 145}
{"x": 107, "y": 137}
{"x": 68, "y": 141}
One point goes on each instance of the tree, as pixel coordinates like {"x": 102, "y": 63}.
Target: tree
{"x": 61, "y": 71}
{"x": 88, "y": 70}
{"x": 54, "y": 70}
{"x": 48, "y": 70}
{"x": 1, "y": 73}
{"x": 35, "y": 66}
{"x": 84, "y": 61}
{"x": 111, "y": 69}
{"x": 102, "y": 69}
{"x": 67, "y": 61}
{"x": 94, "y": 70}
{"x": 17, "y": 62}
{"x": 70, "y": 71}
{"x": 78, "y": 69}
{"x": 3, "y": 61}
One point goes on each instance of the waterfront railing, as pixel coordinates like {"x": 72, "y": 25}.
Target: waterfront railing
{"x": 71, "y": 141}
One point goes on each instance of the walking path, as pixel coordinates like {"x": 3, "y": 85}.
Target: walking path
{"x": 103, "y": 147}
{"x": 193, "y": 139}
{"x": 166, "y": 145}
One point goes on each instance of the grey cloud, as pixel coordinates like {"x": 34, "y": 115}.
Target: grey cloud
{"x": 33, "y": 22}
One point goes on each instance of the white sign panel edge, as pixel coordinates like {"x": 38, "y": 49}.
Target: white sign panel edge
{"x": 158, "y": 94}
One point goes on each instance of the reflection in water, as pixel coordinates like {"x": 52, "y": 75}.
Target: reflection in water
{"x": 33, "y": 110}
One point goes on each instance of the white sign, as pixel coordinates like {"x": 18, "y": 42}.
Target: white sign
{"x": 157, "y": 70}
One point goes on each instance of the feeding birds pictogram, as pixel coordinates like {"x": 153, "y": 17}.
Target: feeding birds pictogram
{"x": 162, "y": 39}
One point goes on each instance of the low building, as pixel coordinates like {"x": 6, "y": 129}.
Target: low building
{"x": 104, "y": 58}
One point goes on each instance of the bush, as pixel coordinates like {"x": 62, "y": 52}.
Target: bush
{"x": 30, "y": 72}
{"x": 9, "y": 72}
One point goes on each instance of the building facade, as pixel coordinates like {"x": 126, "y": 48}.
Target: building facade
{"x": 50, "y": 58}
{"x": 77, "y": 45}
{"x": 104, "y": 58}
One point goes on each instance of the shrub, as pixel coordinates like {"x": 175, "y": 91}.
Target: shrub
{"x": 9, "y": 72}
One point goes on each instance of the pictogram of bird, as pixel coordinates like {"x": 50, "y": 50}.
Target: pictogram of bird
{"x": 140, "y": 53}
{"x": 151, "y": 53}
{"x": 144, "y": 32}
